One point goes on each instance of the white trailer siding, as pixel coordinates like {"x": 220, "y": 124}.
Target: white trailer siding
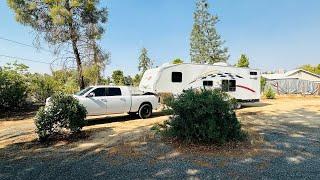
{"x": 162, "y": 80}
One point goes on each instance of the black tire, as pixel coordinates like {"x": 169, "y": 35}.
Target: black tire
{"x": 238, "y": 105}
{"x": 145, "y": 111}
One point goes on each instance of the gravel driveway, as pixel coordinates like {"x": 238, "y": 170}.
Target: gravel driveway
{"x": 124, "y": 148}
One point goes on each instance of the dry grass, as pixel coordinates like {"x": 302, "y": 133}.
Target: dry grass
{"x": 123, "y": 136}
{"x": 247, "y": 148}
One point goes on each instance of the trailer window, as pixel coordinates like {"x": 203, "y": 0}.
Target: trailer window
{"x": 253, "y": 73}
{"x": 113, "y": 92}
{"x": 207, "y": 83}
{"x": 228, "y": 85}
{"x": 176, "y": 77}
{"x": 232, "y": 85}
{"x": 225, "y": 86}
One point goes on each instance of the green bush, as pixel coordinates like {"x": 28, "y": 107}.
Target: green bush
{"x": 63, "y": 113}
{"x": 42, "y": 86}
{"x": 67, "y": 80}
{"x": 263, "y": 83}
{"x": 269, "y": 93}
{"x": 13, "y": 89}
{"x": 205, "y": 116}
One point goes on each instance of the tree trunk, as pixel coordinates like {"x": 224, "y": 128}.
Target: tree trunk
{"x": 79, "y": 64}
{"x": 74, "y": 40}
{"x": 96, "y": 61}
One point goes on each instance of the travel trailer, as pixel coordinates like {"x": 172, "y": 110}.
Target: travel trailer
{"x": 241, "y": 83}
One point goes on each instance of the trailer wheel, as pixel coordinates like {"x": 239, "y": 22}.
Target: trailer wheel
{"x": 145, "y": 111}
{"x": 238, "y": 105}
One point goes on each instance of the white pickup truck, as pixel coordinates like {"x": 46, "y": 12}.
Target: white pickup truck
{"x": 101, "y": 100}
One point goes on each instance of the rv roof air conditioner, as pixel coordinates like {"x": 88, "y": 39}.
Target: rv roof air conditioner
{"x": 221, "y": 64}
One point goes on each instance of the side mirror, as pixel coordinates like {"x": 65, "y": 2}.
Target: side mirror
{"x": 91, "y": 94}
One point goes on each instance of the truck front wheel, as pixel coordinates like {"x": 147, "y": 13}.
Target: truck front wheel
{"x": 145, "y": 111}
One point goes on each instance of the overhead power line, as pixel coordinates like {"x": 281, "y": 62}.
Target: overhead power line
{"x": 24, "y": 59}
{"x": 23, "y": 44}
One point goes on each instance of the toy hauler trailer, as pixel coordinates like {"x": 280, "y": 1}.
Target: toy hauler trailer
{"x": 241, "y": 83}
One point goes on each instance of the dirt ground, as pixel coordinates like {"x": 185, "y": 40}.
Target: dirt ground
{"x": 286, "y": 145}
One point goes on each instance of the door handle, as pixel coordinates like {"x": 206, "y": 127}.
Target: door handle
{"x": 104, "y": 100}
{"x": 122, "y": 99}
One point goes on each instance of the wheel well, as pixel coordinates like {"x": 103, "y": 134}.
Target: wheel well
{"x": 146, "y": 103}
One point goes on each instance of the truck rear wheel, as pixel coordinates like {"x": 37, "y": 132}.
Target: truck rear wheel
{"x": 145, "y": 111}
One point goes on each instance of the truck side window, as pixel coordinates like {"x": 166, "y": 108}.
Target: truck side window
{"x": 176, "y": 77}
{"x": 228, "y": 85}
{"x": 113, "y": 91}
{"x": 207, "y": 83}
{"x": 99, "y": 92}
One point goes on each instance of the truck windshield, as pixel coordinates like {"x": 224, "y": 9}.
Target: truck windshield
{"x": 83, "y": 91}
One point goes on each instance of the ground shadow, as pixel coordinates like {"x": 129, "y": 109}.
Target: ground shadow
{"x": 120, "y": 118}
{"x": 290, "y": 150}
{"x": 258, "y": 104}
{"x": 28, "y": 111}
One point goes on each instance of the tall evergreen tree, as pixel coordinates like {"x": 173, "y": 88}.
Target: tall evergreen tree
{"x": 205, "y": 42}
{"x": 145, "y": 62}
{"x": 243, "y": 61}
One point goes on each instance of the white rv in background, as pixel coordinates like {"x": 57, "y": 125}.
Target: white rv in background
{"x": 241, "y": 83}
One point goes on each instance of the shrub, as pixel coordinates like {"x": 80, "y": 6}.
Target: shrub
{"x": 164, "y": 97}
{"x": 263, "y": 83}
{"x": 67, "y": 80}
{"x": 42, "y": 86}
{"x": 13, "y": 89}
{"x": 269, "y": 93}
{"x": 205, "y": 116}
{"x": 63, "y": 113}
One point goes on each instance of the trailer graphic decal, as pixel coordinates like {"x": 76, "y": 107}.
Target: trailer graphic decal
{"x": 216, "y": 75}
{"x": 247, "y": 88}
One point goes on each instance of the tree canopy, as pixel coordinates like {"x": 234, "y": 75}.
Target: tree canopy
{"x": 118, "y": 77}
{"x": 136, "y": 80}
{"x": 243, "y": 61}
{"x": 314, "y": 69}
{"x": 206, "y": 45}
{"x": 66, "y": 24}
{"x": 177, "y": 61}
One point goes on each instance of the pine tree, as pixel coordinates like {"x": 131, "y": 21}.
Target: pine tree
{"x": 64, "y": 23}
{"x": 243, "y": 61}
{"x": 145, "y": 62}
{"x": 206, "y": 44}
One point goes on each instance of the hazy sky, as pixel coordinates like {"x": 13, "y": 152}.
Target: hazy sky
{"x": 274, "y": 34}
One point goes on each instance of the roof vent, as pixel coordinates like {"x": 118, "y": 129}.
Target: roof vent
{"x": 221, "y": 64}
